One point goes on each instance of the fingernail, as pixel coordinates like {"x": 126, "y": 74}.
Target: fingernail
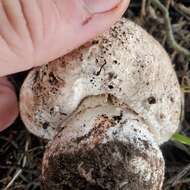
{"x": 100, "y": 6}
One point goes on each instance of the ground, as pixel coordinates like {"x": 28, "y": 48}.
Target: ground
{"x": 21, "y": 153}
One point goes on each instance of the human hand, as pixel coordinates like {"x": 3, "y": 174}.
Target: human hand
{"x": 34, "y": 32}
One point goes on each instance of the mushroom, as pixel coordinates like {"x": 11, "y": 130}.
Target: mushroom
{"x": 106, "y": 108}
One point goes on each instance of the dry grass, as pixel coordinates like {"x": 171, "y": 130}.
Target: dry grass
{"x": 21, "y": 153}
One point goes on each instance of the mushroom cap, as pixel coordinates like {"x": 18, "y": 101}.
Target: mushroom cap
{"x": 103, "y": 147}
{"x": 126, "y": 63}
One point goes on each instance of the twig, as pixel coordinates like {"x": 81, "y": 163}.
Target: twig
{"x": 170, "y": 34}
{"x": 143, "y": 8}
{"x": 168, "y": 3}
{"x": 18, "y": 172}
{"x": 181, "y": 11}
{"x": 17, "y": 167}
{"x": 182, "y": 181}
{"x": 184, "y": 9}
{"x": 176, "y": 179}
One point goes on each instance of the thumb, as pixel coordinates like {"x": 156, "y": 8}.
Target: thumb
{"x": 78, "y": 21}
{"x": 39, "y": 31}
{"x": 8, "y": 104}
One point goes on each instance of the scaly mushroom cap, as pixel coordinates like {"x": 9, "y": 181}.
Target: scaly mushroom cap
{"x": 125, "y": 62}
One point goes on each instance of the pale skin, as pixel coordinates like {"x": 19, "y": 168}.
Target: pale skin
{"x": 34, "y": 32}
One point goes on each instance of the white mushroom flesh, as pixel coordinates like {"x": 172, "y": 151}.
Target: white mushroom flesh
{"x": 125, "y": 62}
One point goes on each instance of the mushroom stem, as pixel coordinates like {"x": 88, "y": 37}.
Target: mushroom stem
{"x": 104, "y": 147}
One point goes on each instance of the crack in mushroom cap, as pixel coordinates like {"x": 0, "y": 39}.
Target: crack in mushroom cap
{"x": 101, "y": 148}
{"x": 125, "y": 62}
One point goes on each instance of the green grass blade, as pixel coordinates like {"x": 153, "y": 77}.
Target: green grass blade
{"x": 181, "y": 138}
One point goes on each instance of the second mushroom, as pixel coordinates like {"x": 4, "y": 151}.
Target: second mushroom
{"x": 105, "y": 108}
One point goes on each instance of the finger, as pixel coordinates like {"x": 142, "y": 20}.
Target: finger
{"x": 77, "y": 22}
{"x": 8, "y": 104}
{"x": 37, "y": 31}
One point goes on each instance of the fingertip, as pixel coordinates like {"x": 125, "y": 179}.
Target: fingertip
{"x": 8, "y": 104}
{"x": 86, "y": 23}
{"x": 100, "y": 21}
{"x": 106, "y": 19}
